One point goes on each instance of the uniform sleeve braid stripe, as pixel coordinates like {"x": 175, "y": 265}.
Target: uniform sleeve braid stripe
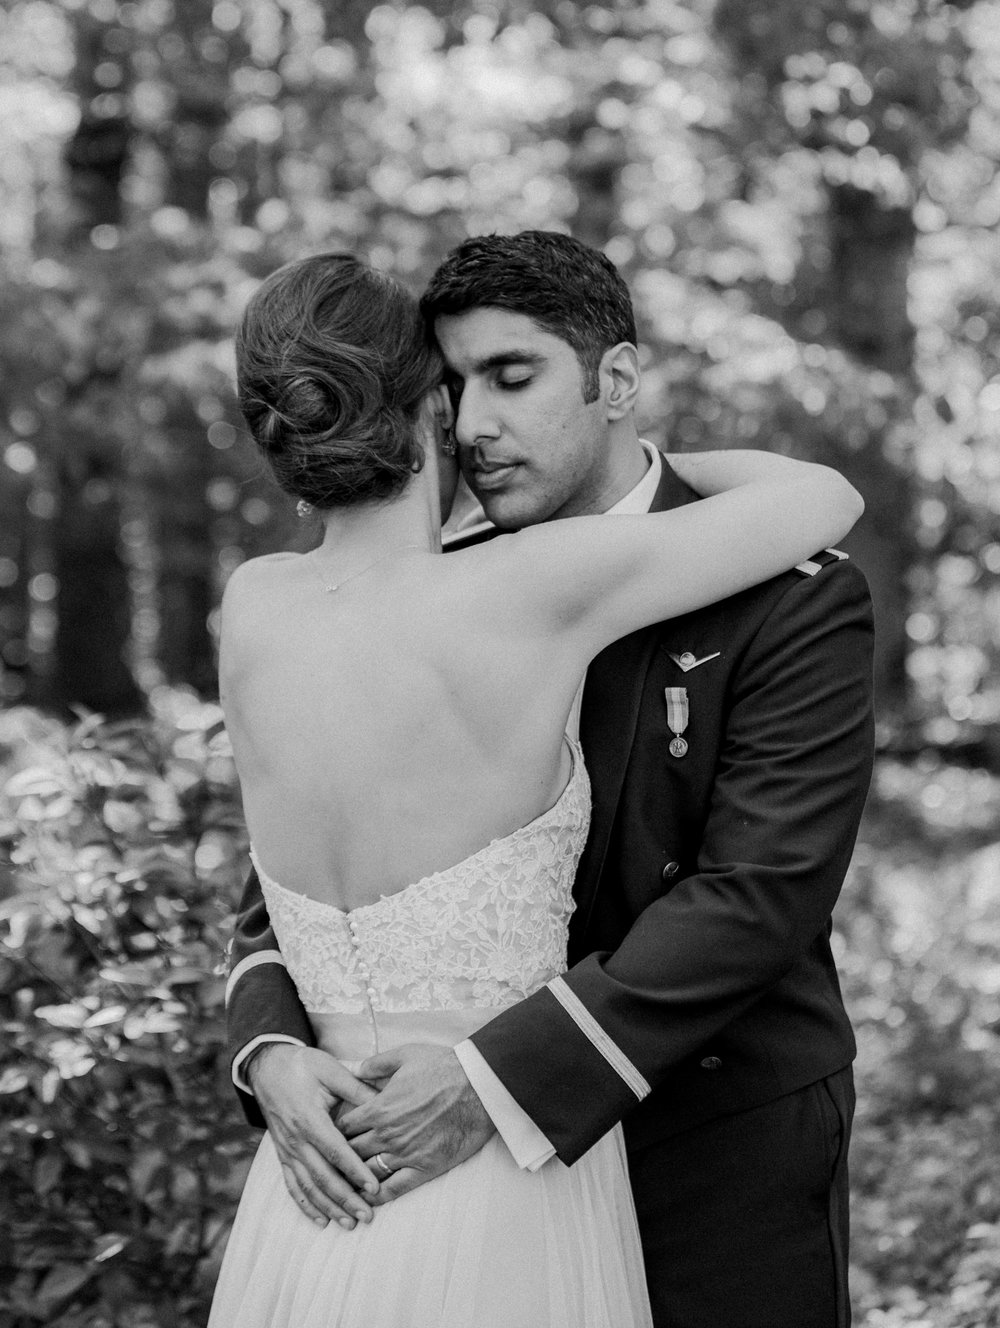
{"x": 595, "y": 1034}
{"x": 252, "y": 961}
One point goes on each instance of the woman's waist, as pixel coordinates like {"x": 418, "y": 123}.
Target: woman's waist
{"x": 355, "y": 1037}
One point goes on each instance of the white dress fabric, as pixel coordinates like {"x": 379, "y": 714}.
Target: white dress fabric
{"x": 486, "y": 1245}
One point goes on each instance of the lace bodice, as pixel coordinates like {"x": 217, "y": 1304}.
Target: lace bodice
{"x": 482, "y": 934}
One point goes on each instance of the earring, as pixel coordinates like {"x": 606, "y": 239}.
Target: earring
{"x": 303, "y": 509}
{"x": 449, "y": 444}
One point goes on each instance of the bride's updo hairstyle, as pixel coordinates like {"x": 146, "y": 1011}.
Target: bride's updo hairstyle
{"x": 332, "y": 363}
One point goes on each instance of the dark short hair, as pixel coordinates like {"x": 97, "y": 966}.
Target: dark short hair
{"x": 332, "y": 363}
{"x": 566, "y": 287}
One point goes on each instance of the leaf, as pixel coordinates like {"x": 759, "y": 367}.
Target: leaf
{"x": 155, "y": 1021}
{"x": 187, "y": 973}
{"x": 48, "y": 1170}
{"x": 49, "y": 1086}
{"x": 90, "y": 919}
{"x": 60, "y": 1282}
{"x": 32, "y": 808}
{"x": 37, "y": 782}
{"x": 219, "y": 743}
{"x": 182, "y": 778}
{"x": 89, "y": 723}
{"x": 148, "y": 1170}
{"x": 71, "y": 1057}
{"x": 59, "y": 807}
{"x": 79, "y": 1155}
{"x": 983, "y": 1231}
{"x": 63, "y": 1016}
{"x": 13, "y": 1079}
{"x": 205, "y": 718}
{"x": 97, "y": 769}
{"x": 111, "y": 1014}
{"x": 179, "y": 1239}
{"x": 124, "y": 818}
{"x": 132, "y": 975}
{"x": 108, "y": 1246}
{"x": 19, "y": 921}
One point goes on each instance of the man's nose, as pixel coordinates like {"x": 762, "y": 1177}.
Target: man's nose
{"x": 474, "y": 421}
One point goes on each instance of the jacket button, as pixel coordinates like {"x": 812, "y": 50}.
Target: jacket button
{"x": 711, "y": 1063}
{"x": 671, "y": 869}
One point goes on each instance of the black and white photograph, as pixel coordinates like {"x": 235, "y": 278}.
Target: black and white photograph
{"x": 500, "y": 664}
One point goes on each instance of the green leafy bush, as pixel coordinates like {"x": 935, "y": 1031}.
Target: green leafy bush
{"x": 122, "y": 1150}
{"x": 919, "y": 951}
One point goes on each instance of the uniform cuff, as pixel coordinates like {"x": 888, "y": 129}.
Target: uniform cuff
{"x": 240, "y": 1059}
{"x": 528, "y": 1146}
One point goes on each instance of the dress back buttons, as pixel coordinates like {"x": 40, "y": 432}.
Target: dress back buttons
{"x": 711, "y": 1063}
{"x": 671, "y": 869}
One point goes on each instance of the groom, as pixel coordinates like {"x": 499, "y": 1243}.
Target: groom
{"x": 730, "y": 752}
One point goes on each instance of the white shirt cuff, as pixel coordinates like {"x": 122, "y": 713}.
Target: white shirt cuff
{"x": 528, "y": 1146}
{"x": 252, "y": 1045}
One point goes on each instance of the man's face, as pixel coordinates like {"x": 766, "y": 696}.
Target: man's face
{"x": 530, "y": 448}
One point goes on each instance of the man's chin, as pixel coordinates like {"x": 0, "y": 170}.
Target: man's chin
{"x": 508, "y": 511}
{"x": 513, "y": 506}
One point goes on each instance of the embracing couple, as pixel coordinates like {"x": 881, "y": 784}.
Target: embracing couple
{"x": 532, "y": 982}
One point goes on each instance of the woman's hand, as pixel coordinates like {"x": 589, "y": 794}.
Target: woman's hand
{"x": 298, "y": 1088}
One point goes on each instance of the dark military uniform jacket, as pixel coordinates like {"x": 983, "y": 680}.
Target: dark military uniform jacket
{"x": 701, "y": 979}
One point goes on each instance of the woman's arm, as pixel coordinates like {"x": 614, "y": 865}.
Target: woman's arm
{"x": 598, "y": 578}
{"x": 712, "y": 473}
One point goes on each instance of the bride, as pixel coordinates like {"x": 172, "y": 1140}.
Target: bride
{"x": 417, "y": 813}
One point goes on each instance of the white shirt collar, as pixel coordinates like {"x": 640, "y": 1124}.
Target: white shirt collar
{"x": 637, "y": 500}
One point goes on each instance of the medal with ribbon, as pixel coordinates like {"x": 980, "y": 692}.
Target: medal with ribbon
{"x": 678, "y": 713}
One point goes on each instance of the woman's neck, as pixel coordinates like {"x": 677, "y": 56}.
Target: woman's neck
{"x": 409, "y": 520}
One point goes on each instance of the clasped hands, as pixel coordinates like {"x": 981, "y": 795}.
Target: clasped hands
{"x": 413, "y": 1106}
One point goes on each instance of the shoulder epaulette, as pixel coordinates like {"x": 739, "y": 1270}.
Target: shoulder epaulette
{"x": 820, "y": 560}
{"x": 467, "y": 539}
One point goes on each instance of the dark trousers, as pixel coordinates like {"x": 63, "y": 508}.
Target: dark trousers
{"x": 744, "y": 1220}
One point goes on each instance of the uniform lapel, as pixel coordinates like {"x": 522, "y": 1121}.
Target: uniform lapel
{"x": 609, "y": 716}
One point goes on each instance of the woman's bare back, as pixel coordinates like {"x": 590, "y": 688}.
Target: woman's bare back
{"x": 383, "y": 731}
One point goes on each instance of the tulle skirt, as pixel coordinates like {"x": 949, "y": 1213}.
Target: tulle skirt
{"x": 484, "y": 1246}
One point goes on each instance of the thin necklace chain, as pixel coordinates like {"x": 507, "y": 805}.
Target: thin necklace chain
{"x": 332, "y": 586}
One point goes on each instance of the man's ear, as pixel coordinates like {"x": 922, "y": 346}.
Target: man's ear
{"x": 619, "y": 376}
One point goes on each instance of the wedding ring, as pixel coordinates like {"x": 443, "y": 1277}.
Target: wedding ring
{"x": 380, "y": 1166}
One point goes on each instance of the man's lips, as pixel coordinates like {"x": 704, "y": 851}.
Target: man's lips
{"x": 492, "y": 476}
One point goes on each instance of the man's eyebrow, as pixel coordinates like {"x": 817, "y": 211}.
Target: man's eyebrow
{"x": 503, "y": 358}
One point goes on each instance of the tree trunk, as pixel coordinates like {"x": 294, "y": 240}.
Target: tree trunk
{"x": 871, "y": 248}
{"x": 15, "y": 523}
{"x": 93, "y": 604}
{"x": 94, "y": 613}
{"x": 182, "y": 530}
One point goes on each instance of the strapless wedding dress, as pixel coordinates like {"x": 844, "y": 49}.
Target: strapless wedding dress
{"x": 486, "y": 1245}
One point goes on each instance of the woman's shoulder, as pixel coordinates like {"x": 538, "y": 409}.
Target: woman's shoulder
{"x": 255, "y": 571}
{"x": 253, "y": 584}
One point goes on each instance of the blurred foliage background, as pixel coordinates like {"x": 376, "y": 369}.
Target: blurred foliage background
{"x": 804, "y": 198}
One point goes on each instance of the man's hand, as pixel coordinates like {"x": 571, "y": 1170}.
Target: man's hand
{"x": 426, "y": 1118}
{"x": 298, "y": 1089}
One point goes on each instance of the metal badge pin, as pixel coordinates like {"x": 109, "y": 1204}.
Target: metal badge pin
{"x": 689, "y": 660}
{"x": 678, "y": 714}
